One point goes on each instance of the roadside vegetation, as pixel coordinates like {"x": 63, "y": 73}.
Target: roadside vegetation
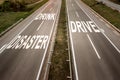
{"x": 11, "y": 11}
{"x": 113, "y": 16}
{"x": 59, "y": 69}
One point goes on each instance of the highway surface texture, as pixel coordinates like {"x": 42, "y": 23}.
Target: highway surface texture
{"x": 23, "y": 49}
{"x": 95, "y": 45}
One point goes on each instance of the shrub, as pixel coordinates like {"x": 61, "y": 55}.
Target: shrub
{"x": 12, "y": 6}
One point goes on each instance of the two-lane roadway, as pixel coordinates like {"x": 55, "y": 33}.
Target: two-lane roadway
{"x": 95, "y": 46}
{"x": 23, "y": 49}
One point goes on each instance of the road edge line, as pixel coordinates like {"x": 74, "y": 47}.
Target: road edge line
{"x": 99, "y": 28}
{"x": 73, "y": 52}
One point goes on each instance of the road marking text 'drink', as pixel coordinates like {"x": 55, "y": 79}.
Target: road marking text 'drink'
{"x": 46, "y": 16}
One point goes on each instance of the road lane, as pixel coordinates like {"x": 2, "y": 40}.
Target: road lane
{"x": 108, "y": 30}
{"x": 26, "y": 64}
{"x": 87, "y": 65}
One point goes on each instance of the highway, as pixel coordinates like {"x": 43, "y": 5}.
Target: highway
{"x": 23, "y": 49}
{"x": 95, "y": 45}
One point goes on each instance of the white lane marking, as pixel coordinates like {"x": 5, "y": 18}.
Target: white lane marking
{"x": 101, "y": 20}
{"x": 102, "y": 30}
{"x": 40, "y": 25}
{"x": 77, "y": 14}
{"x": 3, "y": 48}
{"x": 51, "y": 9}
{"x": 116, "y": 33}
{"x": 94, "y": 47}
{"x": 92, "y": 12}
{"x": 41, "y": 65}
{"x": 98, "y": 27}
{"x": 96, "y": 15}
{"x": 107, "y": 25}
{"x": 71, "y": 40}
{"x": 72, "y": 5}
{"x": 25, "y": 27}
{"x": 42, "y": 10}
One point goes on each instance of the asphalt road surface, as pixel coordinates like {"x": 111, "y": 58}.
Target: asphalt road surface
{"x": 95, "y": 45}
{"x": 111, "y": 4}
{"x": 23, "y": 49}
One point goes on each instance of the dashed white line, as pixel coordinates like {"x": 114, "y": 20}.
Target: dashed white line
{"x": 77, "y": 14}
{"x": 51, "y": 9}
{"x": 40, "y": 25}
{"x": 24, "y": 28}
{"x": 99, "y": 28}
{"x": 94, "y": 47}
{"x": 42, "y": 62}
{"x": 72, "y": 5}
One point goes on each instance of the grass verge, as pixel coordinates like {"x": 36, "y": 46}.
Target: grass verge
{"x": 59, "y": 69}
{"x": 8, "y": 18}
{"x": 113, "y": 16}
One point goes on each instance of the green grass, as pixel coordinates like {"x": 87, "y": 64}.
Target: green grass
{"x": 109, "y": 14}
{"x": 26, "y": 1}
{"x": 59, "y": 69}
{"x": 9, "y": 18}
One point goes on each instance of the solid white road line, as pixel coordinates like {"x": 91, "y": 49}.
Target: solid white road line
{"x": 107, "y": 25}
{"x": 41, "y": 65}
{"x": 25, "y": 27}
{"x": 77, "y": 14}
{"x": 96, "y": 15}
{"x": 94, "y": 47}
{"x": 71, "y": 41}
{"x": 40, "y": 25}
{"x": 116, "y": 33}
{"x": 98, "y": 27}
{"x": 101, "y": 19}
{"x": 3, "y": 48}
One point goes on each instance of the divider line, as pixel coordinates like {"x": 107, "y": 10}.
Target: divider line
{"x": 98, "y": 27}
{"x": 77, "y": 14}
{"x": 23, "y": 29}
{"x": 71, "y": 40}
{"x": 42, "y": 62}
{"x": 94, "y": 47}
{"x": 51, "y": 9}
{"x": 40, "y": 25}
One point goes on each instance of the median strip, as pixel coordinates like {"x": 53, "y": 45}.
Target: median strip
{"x": 59, "y": 69}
